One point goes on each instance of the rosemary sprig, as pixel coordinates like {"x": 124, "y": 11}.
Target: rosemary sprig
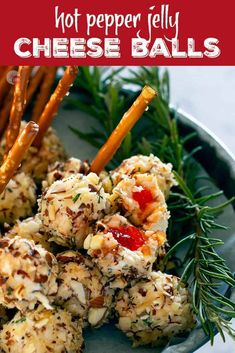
{"x": 193, "y": 220}
{"x": 204, "y": 269}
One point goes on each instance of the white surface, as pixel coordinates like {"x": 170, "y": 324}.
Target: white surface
{"x": 208, "y": 93}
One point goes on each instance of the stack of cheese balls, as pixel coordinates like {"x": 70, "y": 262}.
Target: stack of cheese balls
{"x": 87, "y": 255}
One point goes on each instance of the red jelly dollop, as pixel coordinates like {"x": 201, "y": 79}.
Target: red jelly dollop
{"x": 143, "y": 197}
{"x": 128, "y": 236}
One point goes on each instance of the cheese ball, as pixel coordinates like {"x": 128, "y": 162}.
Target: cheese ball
{"x": 144, "y": 165}
{"x": 18, "y": 199}
{"x": 154, "y": 309}
{"x": 32, "y": 229}
{"x": 27, "y": 274}
{"x": 42, "y": 331}
{"x": 123, "y": 252}
{"x": 140, "y": 199}
{"x": 70, "y": 206}
{"x": 82, "y": 290}
{"x": 36, "y": 160}
{"x": 61, "y": 170}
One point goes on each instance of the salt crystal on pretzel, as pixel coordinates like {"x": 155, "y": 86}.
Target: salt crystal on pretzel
{"x": 16, "y": 154}
{"x": 127, "y": 122}
{"x": 56, "y": 98}
{"x": 18, "y": 106}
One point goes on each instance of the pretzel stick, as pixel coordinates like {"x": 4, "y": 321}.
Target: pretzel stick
{"x": 2, "y": 70}
{"x": 34, "y": 83}
{"x": 52, "y": 106}
{"x": 5, "y": 84}
{"x": 16, "y": 154}
{"x": 127, "y": 122}
{"x": 45, "y": 92}
{"x": 18, "y": 106}
{"x": 5, "y": 111}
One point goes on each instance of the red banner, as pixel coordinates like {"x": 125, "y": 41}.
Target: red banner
{"x": 139, "y": 32}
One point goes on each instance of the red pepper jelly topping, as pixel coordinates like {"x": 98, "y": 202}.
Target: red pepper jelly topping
{"x": 143, "y": 197}
{"x": 128, "y": 236}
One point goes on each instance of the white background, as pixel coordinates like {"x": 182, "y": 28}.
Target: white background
{"x": 208, "y": 93}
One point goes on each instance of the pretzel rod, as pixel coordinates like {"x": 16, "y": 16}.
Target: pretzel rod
{"x": 17, "y": 152}
{"x": 45, "y": 91}
{"x": 18, "y": 106}
{"x": 34, "y": 83}
{"x": 127, "y": 122}
{"x": 52, "y": 106}
{"x": 3, "y": 69}
{"x": 5, "y": 81}
{"x": 5, "y": 111}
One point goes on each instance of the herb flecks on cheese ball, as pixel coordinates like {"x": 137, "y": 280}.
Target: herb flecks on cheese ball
{"x": 61, "y": 170}
{"x": 82, "y": 289}
{"x": 31, "y": 229}
{"x": 18, "y": 199}
{"x": 70, "y": 206}
{"x": 42, "y": 331}
{"x": 36, "y": 160}
{"x": 154, "y": 309}
{"x": 123, "y": 252}
{"x": 27, "y": 274}
{"x": 144, "y": 165}
{"x": 140, "y": 199}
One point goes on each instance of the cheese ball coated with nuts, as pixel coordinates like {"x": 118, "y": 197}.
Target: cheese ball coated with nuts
{"x": 32, "y": 229}
{"x": 140, "y": 199}
{"x": 18, "y": 199}
{"x": 123, "y": 252}
{"x": 82, "y": 289}
{"x": 70, "y": 206}
{"x": 155, "y": 309}
{"x": 37, "y": 160}
{"x": 42, "y": 331}
{"x": 27, "y": 274}
{"x": 145, "y": 165}
{"x": 61, "y": 170}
